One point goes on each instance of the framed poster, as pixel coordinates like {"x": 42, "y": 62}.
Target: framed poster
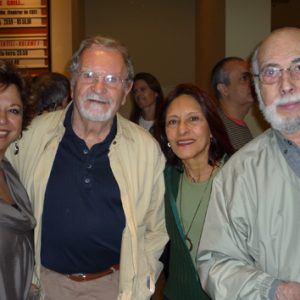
{"x": 24, "y": 34}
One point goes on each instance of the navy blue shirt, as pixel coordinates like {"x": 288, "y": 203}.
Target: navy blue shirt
{"x": 83, "y": 218}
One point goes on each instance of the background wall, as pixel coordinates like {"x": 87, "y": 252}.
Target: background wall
{"x": 285, "y": 13}
{"x": 176, "y": 40}
{"x": 160, "y": 35}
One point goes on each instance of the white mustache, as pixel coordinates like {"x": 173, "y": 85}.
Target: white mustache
{"x": 287, "y": 99}
{"x": 96, "y": 97}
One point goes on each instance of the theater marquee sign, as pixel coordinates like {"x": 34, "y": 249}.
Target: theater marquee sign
{"x": 24, "y": 34}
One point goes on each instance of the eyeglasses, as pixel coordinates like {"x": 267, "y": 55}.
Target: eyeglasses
{"x": 91, "y": 77}
{"x": 272, "y": 74}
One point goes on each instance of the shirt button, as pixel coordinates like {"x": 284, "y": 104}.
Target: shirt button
{"x": 85, "y": 151}
{"x": 285, "y": 151}
{"x": 89, "y": 166}
{"x": 87, "y": 180}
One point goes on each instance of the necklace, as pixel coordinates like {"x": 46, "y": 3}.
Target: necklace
{"x": 187, "y": 238}
{"x": 194, "y": 178}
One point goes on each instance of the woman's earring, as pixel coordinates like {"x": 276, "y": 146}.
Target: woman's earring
{"x": 16, "y": 148}
{"x": 169, "y": 145}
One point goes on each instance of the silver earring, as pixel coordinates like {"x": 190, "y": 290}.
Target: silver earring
{"x": 16, "y": 148}
{"x": 169, "y": 145}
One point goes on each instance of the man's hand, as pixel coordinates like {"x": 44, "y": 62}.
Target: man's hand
{"x": 288, "y": 291}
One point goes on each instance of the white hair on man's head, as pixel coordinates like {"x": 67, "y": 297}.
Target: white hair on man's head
{"x": 255, "y": 70}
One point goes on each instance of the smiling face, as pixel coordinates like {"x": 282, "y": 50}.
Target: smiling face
{"x": 96, "y": 100}
{"x": 280, "y": 101}
{"x": 187, "y": 129}
{"x": 10, "y": 116}
{"x": 144, "y": 96}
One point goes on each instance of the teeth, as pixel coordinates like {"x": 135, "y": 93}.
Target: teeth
{"x": 184, "y": 142}
{"x": 3, "y": 133}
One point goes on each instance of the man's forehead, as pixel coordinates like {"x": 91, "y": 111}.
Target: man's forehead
{"x": 281, "y": 47}
{"x": 98, "y": 50}
{"x": 237, "y": 66}
{"x": 106, "y": 57}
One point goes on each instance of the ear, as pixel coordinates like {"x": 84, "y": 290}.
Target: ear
{"x": 128, "y": 87}
{"x": 127, "y": 90}
{"x": 222, "y": 88}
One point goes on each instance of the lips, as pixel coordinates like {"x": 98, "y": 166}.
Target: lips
{"x": 3, "y": 133}
{"x": 185, "y": 142}
{"x": 289, "y": 105}
{"x": 98, "y": 101}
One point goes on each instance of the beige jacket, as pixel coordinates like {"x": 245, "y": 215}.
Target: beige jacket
{"x": 137, "y": 164}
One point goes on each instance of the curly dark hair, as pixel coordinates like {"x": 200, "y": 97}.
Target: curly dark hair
{"x": 220, "y": 143}
{"x": 10, "y": 75}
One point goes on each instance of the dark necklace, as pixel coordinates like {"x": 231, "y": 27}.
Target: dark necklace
{"x": 187, "y": 238}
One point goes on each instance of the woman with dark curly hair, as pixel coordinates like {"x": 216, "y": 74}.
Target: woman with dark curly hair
{"x": 196, "y": 146}
{"x": 16, "y": 217}
{"x": 147, "y": 97}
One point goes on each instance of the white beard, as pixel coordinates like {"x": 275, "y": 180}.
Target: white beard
{"x": 287, "y": 125}
{"x": 95, "y": 111}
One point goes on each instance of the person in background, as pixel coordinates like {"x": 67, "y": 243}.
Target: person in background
{"x": 50, "y": 91}
{"x": 197, "y": 147}
{"x": 251, "y": 240}
{"x": 147, "y": 97}
{"x": 231, "y": 85}
{"x": 96, "y": 183}
{"x": 16, "y": 216}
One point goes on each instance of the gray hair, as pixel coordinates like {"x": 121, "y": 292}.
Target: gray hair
{"x": 255, "y": 70}
{"x": 219, "y": 75}
{"x": 104, "y": 42}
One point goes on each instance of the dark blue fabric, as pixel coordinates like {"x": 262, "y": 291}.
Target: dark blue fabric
{"x": 83, "y": 218}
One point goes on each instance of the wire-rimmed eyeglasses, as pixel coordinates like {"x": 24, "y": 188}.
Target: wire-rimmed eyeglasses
{"x": 91, "y": 77}
{"x": 272, "y": 74}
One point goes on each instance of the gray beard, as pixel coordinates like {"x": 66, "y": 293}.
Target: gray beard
{"x": 286, "y": 125}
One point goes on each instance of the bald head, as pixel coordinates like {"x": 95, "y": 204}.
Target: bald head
{"x": 279, "y": 44}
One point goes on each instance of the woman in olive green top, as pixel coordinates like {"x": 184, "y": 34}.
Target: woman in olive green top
{"x": 196, "y": 145}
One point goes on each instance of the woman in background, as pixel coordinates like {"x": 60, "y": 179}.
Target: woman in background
{"x": 16, "y": 218}
{"x": 196, "y": 146}
{"x": 147, "y": 99}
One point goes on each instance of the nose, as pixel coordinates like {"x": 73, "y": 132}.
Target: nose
{"x": 183, "y": 127}
{"x": 99, "y": 85}
{"x": 3, "y": 118}
{"x": 137, "y": 94}
{"x": 286, "y": 83}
